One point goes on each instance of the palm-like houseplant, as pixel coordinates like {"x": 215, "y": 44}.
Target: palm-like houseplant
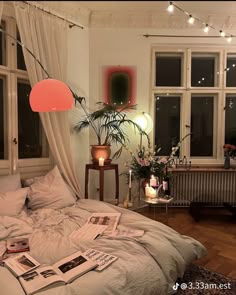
{"x": 109, "y": 124}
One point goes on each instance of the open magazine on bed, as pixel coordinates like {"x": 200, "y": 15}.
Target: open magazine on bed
{"x": 34, "y": 278}
{"x": 109, "y": 219}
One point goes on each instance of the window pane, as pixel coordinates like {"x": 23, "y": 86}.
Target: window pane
{"x": 30, "y": 135}
{"x": 231, "y": 71}
{"x": 230, "y": 119}
{"x": 20, "y": 57}
{"x": 203, "y": 71}
{"x": 168, "y": 70}
{"x": 202, "y": 114}
{"x": 167, "y": 123}
{"x": 3, "y": 45}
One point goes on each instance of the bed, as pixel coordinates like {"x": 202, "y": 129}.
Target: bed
{"x": 149, "y": 264}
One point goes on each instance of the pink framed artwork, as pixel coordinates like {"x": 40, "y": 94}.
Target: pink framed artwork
{"x": 119, "y": 85}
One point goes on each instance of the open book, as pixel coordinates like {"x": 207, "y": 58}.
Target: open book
{"x": 34, "y": 278}
{"x": 109, "y": 219}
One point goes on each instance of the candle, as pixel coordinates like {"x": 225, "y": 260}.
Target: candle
{"x": 101, "y": 161}
{"x": 130, "y": 171}
{"x": 152, "y": 192}
{"x": 153, "y": 181}
{"x": 147, "y": 190}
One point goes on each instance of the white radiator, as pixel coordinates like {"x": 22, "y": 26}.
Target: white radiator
{"x": 208, "y": 186}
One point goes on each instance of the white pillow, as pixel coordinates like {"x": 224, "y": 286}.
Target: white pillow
{"x": 11, "y": 203}
{"x": 10, "y": 183}
{"x": 50, "y": 191}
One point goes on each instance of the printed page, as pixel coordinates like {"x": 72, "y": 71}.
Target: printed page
{"x": 21, "y": 263}
{"x": 101, "y": 258}
{"x": 89, "y": 231}
{"x": 39, "y": 278}
{"x": 73, "y": 266}
{"x": 16, "y": 245}
{"x": 127, "y": 232}
{"x": 109, "y": 219}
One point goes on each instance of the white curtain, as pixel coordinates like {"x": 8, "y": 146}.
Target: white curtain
{"x": 46, "y": 37}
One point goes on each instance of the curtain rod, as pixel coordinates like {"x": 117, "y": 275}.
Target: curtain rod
{"x": 71, "y": 24}
{"x": 179, "y": 36}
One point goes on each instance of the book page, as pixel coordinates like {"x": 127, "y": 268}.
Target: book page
{"x": 73, "y": 266}
{"x": 127, "y": 232}
{"x": 16, "y": 245}
{"x": 109, "y": 219}
{"x": 21, "y": 263}
{"x": 39, "y": 278}
{"x": 101, "y": 258}
{"x": 89, "y": 231}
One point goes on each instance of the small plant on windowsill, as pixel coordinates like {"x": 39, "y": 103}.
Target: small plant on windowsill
{"x": 229, "y": 152}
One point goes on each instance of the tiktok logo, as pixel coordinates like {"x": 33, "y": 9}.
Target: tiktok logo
{"x": 175, "y": 287}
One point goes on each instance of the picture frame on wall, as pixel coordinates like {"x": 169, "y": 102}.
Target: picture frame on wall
{"x": 119, "y": 85}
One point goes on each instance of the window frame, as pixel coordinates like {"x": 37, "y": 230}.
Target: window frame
{"x": 29, "y": 166}
{"x": 220, "y": 91}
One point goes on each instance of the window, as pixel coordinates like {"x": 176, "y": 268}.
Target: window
{"x": 23, "y": 143}
{"x": 194, "y": 91}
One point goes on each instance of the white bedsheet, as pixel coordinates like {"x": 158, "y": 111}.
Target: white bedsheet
{"x": 146, "y": 265}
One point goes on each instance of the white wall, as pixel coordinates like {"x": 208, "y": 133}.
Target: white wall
{"x": 128, "y": 47}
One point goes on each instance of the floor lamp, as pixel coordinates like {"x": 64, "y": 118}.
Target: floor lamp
{"x": 145, "y": 122}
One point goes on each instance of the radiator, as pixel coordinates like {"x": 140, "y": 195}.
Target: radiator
{"x": 209, "y": 186}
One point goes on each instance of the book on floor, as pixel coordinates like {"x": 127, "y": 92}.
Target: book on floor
{"x": 35, "y": 278}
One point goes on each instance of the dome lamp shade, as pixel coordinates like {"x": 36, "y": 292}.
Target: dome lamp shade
{"x": 51, "y": 95}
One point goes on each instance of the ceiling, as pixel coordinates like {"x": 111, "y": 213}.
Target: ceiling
{"x": 145, "y": 14}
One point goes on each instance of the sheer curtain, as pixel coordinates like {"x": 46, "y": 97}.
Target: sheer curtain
{"x": 46, "y": 37}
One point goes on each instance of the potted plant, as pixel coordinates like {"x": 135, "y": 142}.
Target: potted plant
{"x": 109, "y": 124}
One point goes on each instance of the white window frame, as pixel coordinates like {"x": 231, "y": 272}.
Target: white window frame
{"x": 186, "y": 90}
{"x": 31, "y": 166}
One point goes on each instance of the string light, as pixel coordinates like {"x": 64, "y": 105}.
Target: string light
{"x": 206, "y": 28}
{"x": 191, "y": 19}
{"x": 229, "y": 39}
{"x": 222, "y": 33}
{"x": 170, "y": 8}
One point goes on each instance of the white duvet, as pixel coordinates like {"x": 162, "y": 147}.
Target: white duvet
{"x": 146, "y": 265}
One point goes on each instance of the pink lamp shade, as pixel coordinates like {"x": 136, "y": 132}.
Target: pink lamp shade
{"x": 51, "y": 95}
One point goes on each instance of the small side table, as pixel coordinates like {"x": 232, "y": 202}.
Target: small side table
{"x": 101, "y": 170}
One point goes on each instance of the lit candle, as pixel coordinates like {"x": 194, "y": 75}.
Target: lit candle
{"x": 147, "y": 190}
{"x": 152, "y": 192}
{"x": 153, "y": 181}
{"x": 101, "y": 161}
{"x": 130, "y": 171}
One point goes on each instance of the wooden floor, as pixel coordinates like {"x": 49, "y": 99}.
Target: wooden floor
{"x": 216, "y": 230}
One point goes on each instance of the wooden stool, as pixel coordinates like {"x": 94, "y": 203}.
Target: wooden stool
{"x": 101, "y": 170}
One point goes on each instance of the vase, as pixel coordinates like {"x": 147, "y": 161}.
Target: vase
{"x": 227, "y": 162}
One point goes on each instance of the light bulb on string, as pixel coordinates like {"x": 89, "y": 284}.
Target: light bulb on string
{"x": 222, "y": 33}
{"x": 191, "y": 19}
{"x": 206, "y": 28}
{"x": 170, "y": 8}
{"x": 229, "y": 39}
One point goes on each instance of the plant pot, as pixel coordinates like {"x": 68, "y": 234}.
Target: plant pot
{"x": 101, "y": 151}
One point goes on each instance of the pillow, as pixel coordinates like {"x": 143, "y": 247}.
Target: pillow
{"x": 10, "y": 183}
{"x": 11, "y": 203}
{"x": 50, "y": 191}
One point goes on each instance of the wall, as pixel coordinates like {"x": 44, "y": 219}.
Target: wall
{"x": 115, "y": 46}
{"x": 78, "y": 79}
